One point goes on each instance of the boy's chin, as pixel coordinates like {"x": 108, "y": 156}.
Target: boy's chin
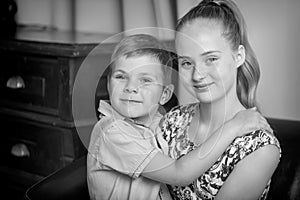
{"x": 132, "y": 115}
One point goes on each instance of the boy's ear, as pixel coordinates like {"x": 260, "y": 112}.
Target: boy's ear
{"x": 241, "y": 56}
{"x": 108, "y": 87}
{"x": 107, "y": 84}
{"x": 166, "y": 94}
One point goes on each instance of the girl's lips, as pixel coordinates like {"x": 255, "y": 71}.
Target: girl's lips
{"x": 202, "y": 86}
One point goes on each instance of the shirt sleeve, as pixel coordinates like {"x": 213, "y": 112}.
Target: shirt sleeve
{"x": 124, "y": 149}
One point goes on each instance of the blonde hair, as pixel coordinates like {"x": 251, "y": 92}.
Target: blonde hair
{"x": 143, "y": 44}
{"x": 227, "y": 12}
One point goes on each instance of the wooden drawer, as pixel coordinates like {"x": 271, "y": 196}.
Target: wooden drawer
{"x": 30, "y": 82}
{"x": 35, "y": 148}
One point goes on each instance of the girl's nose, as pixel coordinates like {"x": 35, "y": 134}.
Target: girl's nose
{"x": 199, "y": 74}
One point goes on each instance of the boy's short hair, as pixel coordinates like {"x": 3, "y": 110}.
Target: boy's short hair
{"x": 141, "y": 45}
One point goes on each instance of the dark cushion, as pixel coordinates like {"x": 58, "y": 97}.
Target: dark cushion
{"x": 66, "y": 183}
{"x": 286, "y": 179}
{"x": 70, "y": 182}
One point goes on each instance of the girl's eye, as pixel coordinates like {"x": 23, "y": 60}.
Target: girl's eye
{"x": 211, "y": 60}
{"x": 186, "y": 64}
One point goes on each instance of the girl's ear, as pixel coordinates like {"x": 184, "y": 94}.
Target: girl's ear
{"x": 166, "y": 94}
{"x": 240, "y": 56}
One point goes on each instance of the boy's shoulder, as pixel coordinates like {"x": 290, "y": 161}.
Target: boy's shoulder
{"x": 107, "y": 122}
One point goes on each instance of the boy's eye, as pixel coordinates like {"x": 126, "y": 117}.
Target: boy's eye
{"x": 119, "y": 76}
{"x": 146, "y": 80}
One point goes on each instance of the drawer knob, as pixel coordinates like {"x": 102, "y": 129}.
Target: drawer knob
{"x": 20, "y": 150}
{"x": 15, "y": 82}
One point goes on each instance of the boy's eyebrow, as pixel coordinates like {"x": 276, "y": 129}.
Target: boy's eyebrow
{"x": 140, "y": 74}
{"x": 118, "y": 70}
{"x": 148, "y": 74}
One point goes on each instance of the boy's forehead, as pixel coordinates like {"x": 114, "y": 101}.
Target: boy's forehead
{"x": 139, "y": 64}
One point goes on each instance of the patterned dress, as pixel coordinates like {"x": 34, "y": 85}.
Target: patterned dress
{"x": 175, "y": 132}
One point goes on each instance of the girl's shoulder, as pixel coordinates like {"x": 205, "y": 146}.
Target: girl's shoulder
{"x": 181, "y": 110}
{"x": 178, "y": 118}
{"x": 255, "y": 140}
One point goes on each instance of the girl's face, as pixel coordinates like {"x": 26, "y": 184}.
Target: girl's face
{"x": 135, "y": 87}
{"x": 207, "y": 64}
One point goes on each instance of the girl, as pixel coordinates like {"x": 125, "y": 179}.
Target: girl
{"x": 218, "y": 66}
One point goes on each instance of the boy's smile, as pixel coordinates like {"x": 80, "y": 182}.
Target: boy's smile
{"x": 135, "y": 87}
{"x": 131, "y": 101}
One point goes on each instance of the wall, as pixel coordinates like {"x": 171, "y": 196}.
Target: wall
{"x": 274, "y": 30}
{"x": 87, "y": 16}
{"x": 98, "y": 16}
{"x": 272, "y": 26}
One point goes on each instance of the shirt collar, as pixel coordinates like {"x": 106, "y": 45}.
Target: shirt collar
{"x": 106, "y": 109}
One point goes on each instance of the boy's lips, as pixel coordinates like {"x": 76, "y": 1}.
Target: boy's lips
{"x": 131, "y": 101}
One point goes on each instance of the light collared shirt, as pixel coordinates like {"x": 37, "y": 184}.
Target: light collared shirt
{"x": 119, "y": 151}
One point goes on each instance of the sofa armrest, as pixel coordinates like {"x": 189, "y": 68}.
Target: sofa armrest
{"x": 66, "y": 183}
{"x": 285, "y": 182}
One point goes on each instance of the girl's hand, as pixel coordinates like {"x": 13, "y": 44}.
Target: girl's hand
{"x": 249, "y": 120}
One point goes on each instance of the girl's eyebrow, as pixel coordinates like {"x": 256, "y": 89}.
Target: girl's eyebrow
{"x": 209, "y": 52}
{"x": 183, "y": 57}
{"x": 201, "y": 55}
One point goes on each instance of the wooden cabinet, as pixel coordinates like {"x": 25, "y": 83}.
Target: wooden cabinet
{"x": 38, "y": 135}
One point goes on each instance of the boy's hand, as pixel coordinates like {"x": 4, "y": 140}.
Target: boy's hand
{"x": 249, "y": 120}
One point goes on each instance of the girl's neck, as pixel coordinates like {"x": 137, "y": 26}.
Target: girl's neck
{"x": 215, "y": 114}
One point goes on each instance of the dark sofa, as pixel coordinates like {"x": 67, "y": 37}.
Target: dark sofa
{"x": 70, "y": 182}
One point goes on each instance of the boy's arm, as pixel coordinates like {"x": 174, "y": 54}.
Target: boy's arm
{"x": 190, "y": 166}
{"x": 187, "y": 168}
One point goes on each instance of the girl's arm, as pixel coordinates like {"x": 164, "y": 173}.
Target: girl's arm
{"x": 190, "y": 166}
{"x": 251, "y": 175}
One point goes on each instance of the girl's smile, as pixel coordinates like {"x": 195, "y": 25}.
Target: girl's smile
{"x": 202, "y": 87}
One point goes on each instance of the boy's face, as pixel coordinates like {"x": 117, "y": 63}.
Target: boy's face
{"x": 136, "y": 87}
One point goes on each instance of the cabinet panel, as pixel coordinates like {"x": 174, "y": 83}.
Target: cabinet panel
{"x": 38, "y": 71}
{"x": 34, "y": 148}
{"x": 30, "y": 82}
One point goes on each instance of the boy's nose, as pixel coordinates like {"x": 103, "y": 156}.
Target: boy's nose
{"x": 131, "y": 86}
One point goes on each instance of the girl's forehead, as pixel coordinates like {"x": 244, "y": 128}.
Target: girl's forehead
{"x": 201, "y": 35}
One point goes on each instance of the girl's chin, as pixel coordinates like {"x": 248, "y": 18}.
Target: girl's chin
{"x": 204, "y": 98}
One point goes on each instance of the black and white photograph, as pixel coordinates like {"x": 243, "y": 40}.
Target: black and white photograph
{"x": 150, "y": 99}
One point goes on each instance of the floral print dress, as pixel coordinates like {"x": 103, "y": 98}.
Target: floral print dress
{"x": 174, "y": 129}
